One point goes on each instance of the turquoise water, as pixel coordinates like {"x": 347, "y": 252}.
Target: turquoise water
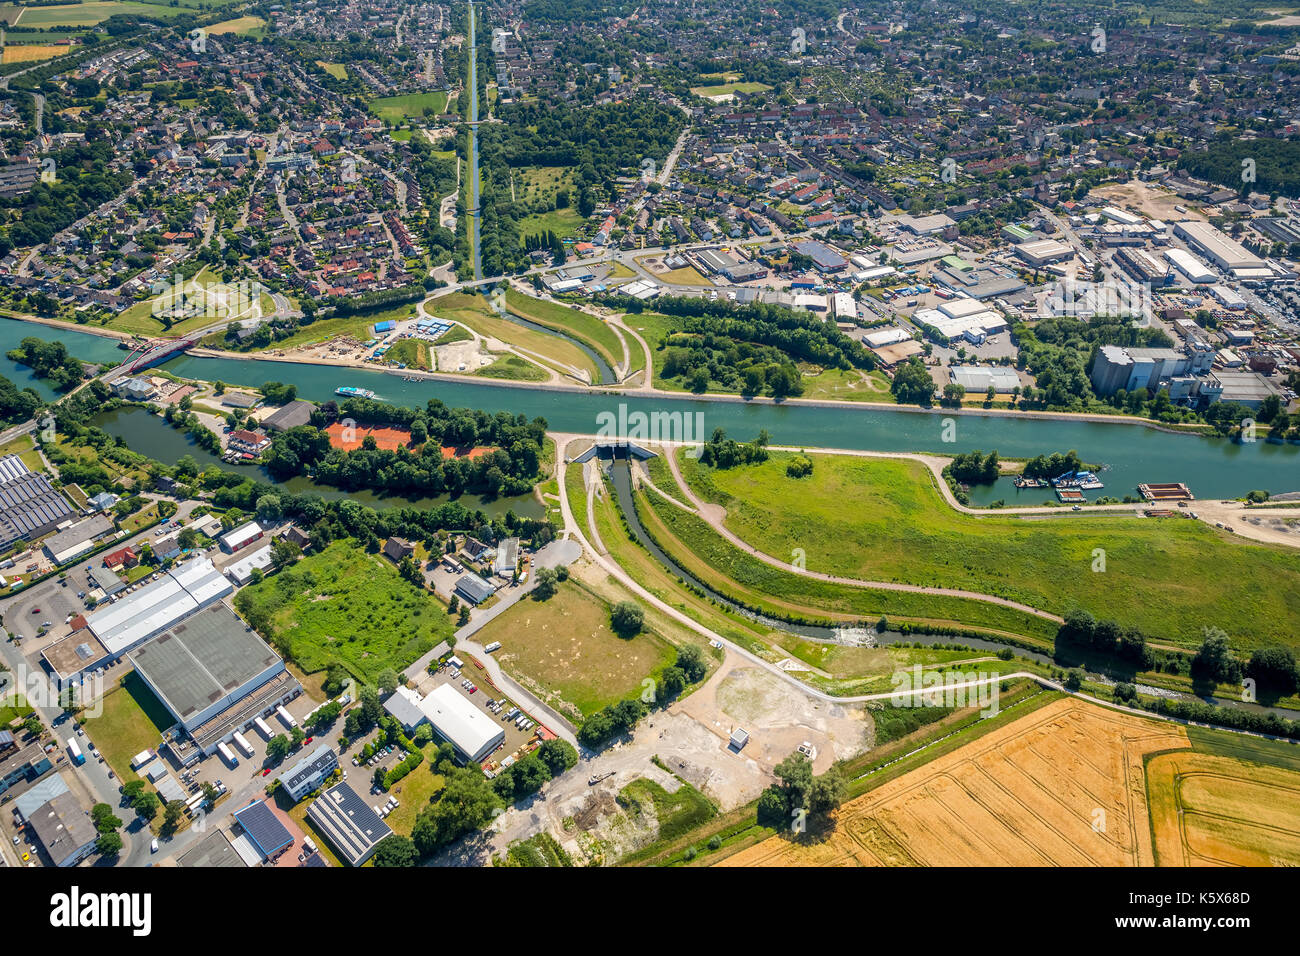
{"x": 1212, "y": 467}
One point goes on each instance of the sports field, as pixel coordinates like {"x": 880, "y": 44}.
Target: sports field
{"x": 1062, "y": 786}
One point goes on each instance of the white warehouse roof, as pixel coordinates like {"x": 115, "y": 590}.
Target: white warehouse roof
{"x": 469, "y": 730}
{"x": 157, "y": 606}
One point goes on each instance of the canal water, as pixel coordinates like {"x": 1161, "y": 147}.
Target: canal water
{"x": 150, "y": 435}
{"x": 1212, "y": 467}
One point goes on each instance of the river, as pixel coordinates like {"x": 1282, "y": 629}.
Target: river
{"x": 1212, "y": 467}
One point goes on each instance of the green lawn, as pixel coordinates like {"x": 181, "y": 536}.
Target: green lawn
{"x": 574, "y": 322}
{"x": 344, "y": 605}
{"x": 336, "y": 70}
{"x": 133, "y": 720}
{"x": 395, "y": 110}
{"x": 474, "y": 312}
{"x": 565, "y": 223}
{"x": 900, "y": 529}
{"x": 513, "y": 369}
{"x": 565, "y": 650}
{"x": 413, "y": 353}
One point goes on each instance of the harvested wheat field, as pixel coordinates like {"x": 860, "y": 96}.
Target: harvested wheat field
{"x": 1063, "y": 786}
{"x": 1209, "y": 810}
{"x": 31, "y": 52}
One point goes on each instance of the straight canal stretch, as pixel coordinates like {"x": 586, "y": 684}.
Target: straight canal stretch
{"x": 1212, "y": 467}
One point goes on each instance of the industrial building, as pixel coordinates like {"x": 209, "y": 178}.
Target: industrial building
{"x": 214, "y": 675}
{"x": 155, "y": 607}
{"x": 348, "y": 822}
{"x": 309, "y": 772}
{"x": 824, "y": 258}
{"x": 241, "y": 571}
{"x": 472, "y": 732}
{"x": 1131, "y": 368}
{"x": 963, "y": 318}
{"x": 470, "y": 587}
{"x": 1044, "y": 251}
{"x": 978, "y": 378}
{"x": 75, "y": 541}
{"x": 63, "y": 828}
{"x": 29, "y": 505}
{"x": 1224, "y": 252}
{"x": 1190, "y": 266}
{"x": 240, "y": 537}
{"x": 262, "y": 831}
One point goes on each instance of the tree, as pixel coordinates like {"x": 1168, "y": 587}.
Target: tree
{"x": 1214, "y": 661}
{"x": 32, "y": 724}
{"x": 627, "y": 618}
{"x": 1274, "y": 671}
{"x": 773, "y": 807}
{"x": 109, "y": 844}
{"x": 278, "y": 747}
{"x": 690, "y": 658}
{"x": 172, "y": 815}
{"x": 912, "y": 383}
{"x": 104, "y": 818}
{"x": 386, "y": 681}
{"x": 557, "y": 755}
{"x": 1074, "y": 679}
{"x": 284, "y": 553}
{"x": 463, "y": 618}
{"x": 396, "y": 850}
{"x": 546, "y": 584}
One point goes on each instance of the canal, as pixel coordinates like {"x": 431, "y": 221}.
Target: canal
{"x": 1132, "y": 453}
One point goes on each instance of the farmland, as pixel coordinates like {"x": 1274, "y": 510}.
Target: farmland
{"x": 1059, "y": 786}
{"x": 900, "y": 529}
{"x": 84, "y": 14}
{"x": 344, "y": 605}
{"x": 32, "y": 52}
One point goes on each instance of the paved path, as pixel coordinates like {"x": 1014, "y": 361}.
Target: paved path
{"x": 558, "y": 552}
{"x": 714, "y": 514}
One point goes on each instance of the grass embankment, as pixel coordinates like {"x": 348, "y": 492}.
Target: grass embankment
{"x": 899, "y": 528}
{"x": 474, "y": 312}
{"x": 574, "y": 322}
{"x": 785, "y": 594}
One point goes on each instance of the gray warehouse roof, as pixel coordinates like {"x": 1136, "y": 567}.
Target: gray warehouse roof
{"x": 201, "y": 659}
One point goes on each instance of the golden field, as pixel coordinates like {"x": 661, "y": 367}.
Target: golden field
{"x": 1061, "y": 786}
{"x": 1210, "y": 810}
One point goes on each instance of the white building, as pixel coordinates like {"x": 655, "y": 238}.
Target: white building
{"x": 241, "y": 571}
{"x": 472, "y": 732}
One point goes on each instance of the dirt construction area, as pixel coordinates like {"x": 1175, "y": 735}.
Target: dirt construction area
{"x": 692, "y": 737}
{"x": 1064, "y": 786}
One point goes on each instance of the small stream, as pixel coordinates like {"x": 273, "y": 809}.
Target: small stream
{"x": 605, "y": 373}
{"x": 620, "y": 474}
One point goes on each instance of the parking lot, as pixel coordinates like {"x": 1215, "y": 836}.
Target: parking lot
{"x": 516, "y": 734}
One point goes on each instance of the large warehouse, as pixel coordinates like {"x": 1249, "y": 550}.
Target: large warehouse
{"x": 1223, "y": 251}
{"x": 156, "y": 607}
{"x": 214, "y": 674}
{"x": 472, "y": 732}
